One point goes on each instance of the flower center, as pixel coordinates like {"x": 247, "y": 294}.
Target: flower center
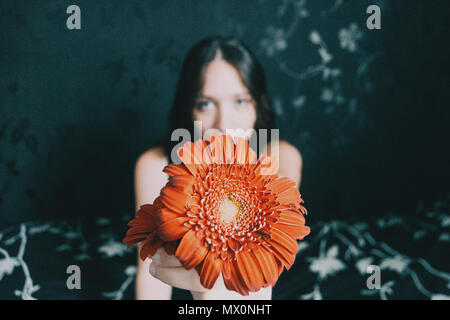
{"x": 230, "y": 210}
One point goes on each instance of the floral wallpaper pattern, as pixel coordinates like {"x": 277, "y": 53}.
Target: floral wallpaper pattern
{"x": 77, "y": 109}
{"x": 331, "y": 264}
{"x": 319, "y": 70}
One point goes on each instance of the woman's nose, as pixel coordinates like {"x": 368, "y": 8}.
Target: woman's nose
{"x": 224, "y": 119}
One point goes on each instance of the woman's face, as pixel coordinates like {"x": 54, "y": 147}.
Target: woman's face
{"x": 224, "y": 102}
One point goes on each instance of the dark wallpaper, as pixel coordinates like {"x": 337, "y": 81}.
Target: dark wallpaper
{"x": 368, "y": 109}
{"x": 364, "y": 107}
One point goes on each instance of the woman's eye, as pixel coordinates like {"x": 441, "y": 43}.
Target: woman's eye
{"x": 204, "y": 105}
{"x": 241, "y": 102}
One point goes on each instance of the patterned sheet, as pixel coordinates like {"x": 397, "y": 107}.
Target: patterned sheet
{"x": 410, "y": 252}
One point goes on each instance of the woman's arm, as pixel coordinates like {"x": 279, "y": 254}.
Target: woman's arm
{"x": 148, "y": 181}
{"x": 289, "y": 159}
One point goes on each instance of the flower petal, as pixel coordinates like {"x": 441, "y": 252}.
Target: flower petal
{"x": 202, "y": 156}
{"x": 170, "y": 247}
{"x": 267, "y": 165}
{"x": 149, "y": 246}
{"x": 296, "y": 232}
{"x": 183, "y": 183}
{"x": 190, "y": 159}
{"x": 142, "y": 225}
{"x": 249, "y": 269}
{"x": 292, "y": 223}
{"x": 232, "y": 278}
{"x": 241, "y": 151}
{"x": 173, "y": 229}
{"x": 282, "y": 255}
{"x": 176, "y": 170}
{"x": 212, "y": 266}
{"x": 291, "y": 217}
{"x": 197, "y": 257}
{"x": 267, "y": 263}
{"x": 165, "y": 215}
{"x": 216, "y": 147}
{"x": 258, "y": 181}
{"x": 228, "y": 149}
{"x": 157, "y": 204}
{"x": 140, "y": 229}
{"x": 280, "y": 185}
{"x": 252, "y": 156}
{"x": 283, "y": 239}
{"x": 132, "y": 239}
{"x": 291, "y": 195}
{"x": 145, "y": 215}
{"x": 188, "y": 247}
{"x": 206, "y": 153}
{"x": 174, "y": 199}
{"x": 233, "y": 244}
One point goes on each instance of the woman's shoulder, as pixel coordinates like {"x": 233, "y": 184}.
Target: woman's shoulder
{"x": 286, "y": 149}
{"x": 149, "y": 177}
{"x": 153, "y": 157}
{"x": 289, "y": 149}
{"x": 290, "y": 161}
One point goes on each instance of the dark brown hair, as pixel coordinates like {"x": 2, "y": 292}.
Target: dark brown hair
{"x": 191, "y": 78}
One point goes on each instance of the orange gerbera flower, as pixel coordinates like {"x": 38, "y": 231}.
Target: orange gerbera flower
{"x": 223, "y": 211}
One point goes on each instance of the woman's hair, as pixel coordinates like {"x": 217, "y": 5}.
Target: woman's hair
{"x": 191, "y": 78}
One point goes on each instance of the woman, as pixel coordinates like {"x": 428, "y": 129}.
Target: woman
{"x": 222, "y": 85}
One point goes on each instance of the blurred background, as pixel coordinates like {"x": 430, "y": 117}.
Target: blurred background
{"x": 368, "y": 110}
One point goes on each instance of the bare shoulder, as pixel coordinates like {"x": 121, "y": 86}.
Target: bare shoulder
{"x": 287, "y": 151}
{"x": 149, "y": 177}
{"x": 153, "y": 156}
{"x": 290, "y": 151}
{"x": 290, "y": 161}
{"x": 151, "y": 161}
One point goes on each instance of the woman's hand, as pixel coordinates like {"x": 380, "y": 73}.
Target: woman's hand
{"x": 169, "y": 270}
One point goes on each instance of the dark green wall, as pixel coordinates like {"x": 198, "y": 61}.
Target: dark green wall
{"x": 78, "y": 107}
